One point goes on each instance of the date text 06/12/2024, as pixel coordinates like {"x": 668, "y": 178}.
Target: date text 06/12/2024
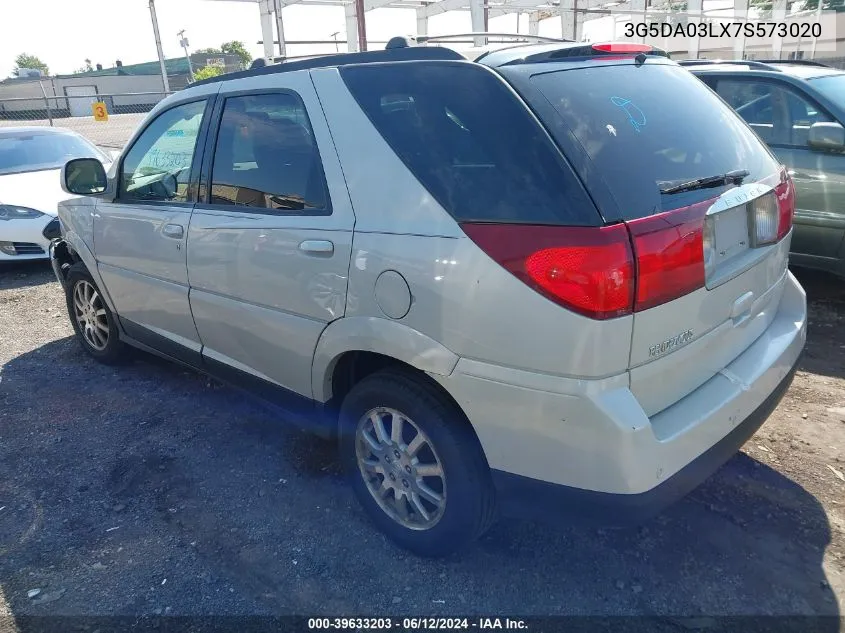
{"x": 416, "y": 624}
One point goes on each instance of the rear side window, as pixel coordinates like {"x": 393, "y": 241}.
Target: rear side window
{"x": 470, "y": 142}
{"x": 266, "y": 156}
{"x": 648, "y": 127}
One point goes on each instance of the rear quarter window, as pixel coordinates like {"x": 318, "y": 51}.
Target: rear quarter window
{"x": 646, "y": 127}
{"x": 471, "y": 142}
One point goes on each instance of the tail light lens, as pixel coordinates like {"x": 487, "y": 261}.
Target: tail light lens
{"x": 610, "y": 271}
{"x": 670, "y": 254}
{"x": 765, "y": 218}
{"x": 589, "y": 270}
{"x": 772, "y": 213}
{"x": 785, "y": 192}
{"x": 709, "y": 247}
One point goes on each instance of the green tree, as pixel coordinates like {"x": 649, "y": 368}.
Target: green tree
{"x": 24, "y": 60}
{"x": 86, "y": 68}
{"x": 237, "y": 48}
{"x": 229, "y": 48}
{"x": 206, "y": 72}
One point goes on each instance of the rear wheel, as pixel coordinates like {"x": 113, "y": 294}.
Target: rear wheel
{"x": 91, "y": 318}
{"x": 415, "y": 464}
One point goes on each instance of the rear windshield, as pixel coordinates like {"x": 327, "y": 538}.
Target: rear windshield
{"x": 471, "y": 142}
{"x": 648, "y": 127}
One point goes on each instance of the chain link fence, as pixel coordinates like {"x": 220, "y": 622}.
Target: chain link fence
{"x": 125, "y": 112}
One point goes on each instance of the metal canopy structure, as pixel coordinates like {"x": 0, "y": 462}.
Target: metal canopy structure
{"x": 572, "y": 14}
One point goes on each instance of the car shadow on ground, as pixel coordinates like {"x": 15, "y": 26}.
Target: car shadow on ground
{"x": 148, "y": 489}
{"x": 25, "y": 274}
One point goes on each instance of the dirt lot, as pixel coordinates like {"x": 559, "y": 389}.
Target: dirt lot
{"x": 147, "y": 489}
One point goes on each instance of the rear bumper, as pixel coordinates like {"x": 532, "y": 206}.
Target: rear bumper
{"x": 571, "y": 446}
{"x": 517, "y": 495}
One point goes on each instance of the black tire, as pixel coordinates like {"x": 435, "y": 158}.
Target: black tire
{"x": 469, "y": 509}
{"x": 114, "y": 351}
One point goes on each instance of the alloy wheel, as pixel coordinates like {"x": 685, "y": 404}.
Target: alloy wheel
{"x": 401, "y": 468}
{"x": 90, "y": 314}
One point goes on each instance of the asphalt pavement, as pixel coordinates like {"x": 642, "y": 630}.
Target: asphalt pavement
{"x": 147, "y": 489}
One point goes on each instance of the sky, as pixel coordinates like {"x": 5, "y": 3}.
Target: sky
{"x": 63, "y": 33}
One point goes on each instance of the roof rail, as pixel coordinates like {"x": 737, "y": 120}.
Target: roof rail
{"x": 341, "y": 59}
{"x": 297, "y": 58}
{"x": 800, "y": 62}
{"x": 751, "y": 63}
{"x": 424, "y": 39}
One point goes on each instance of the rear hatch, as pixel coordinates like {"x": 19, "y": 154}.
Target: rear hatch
{"x": 707, "y": 207}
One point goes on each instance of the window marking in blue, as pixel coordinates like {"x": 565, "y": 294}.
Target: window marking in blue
{"x": 635, "y": 115}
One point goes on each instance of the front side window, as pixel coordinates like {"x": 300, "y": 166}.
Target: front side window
{"x": 266, "y": 156}
{"x": 158, "y": 167}
{"x": 778, "y": 114}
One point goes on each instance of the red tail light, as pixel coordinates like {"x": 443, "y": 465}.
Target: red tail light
{"x": 610, "y": 271}
{"x": 670, "y": 254}
{"x": 785, "y": 191}
{"x": 589, "y": 270}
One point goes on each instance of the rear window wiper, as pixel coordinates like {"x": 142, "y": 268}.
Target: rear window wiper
{"x": 734, "y": 177}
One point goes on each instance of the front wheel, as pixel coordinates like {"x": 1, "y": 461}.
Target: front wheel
{"x": 415, "y": 463}
{"x": 91, "y": 318}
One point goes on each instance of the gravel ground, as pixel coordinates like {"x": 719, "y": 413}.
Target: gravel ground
{"x": 148, "y": 489}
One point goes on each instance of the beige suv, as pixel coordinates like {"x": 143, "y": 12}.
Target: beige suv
{"x": 519, "y": 284}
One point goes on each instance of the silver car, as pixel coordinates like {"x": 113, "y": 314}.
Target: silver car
{"x": 551, "y": 281}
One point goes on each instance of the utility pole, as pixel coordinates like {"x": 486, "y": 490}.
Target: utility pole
{"x": 334, "y": 35}
{"x": 183, "y": 42}
{"x": 818, "y": 19}
{"x": 46, "y": 102}
{"x": 265, "y": 10}
{"x": 360, "y": 13}
{"x": 280, "y": 27}
{"x": 158, "y": 47}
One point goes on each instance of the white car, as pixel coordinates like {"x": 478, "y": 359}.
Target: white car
{"x": 31, "y": 159}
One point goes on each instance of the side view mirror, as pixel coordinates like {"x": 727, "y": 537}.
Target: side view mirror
{"x": 114, "y": 154}
{"x": 829, "y": 136}
{"x": 84, "y": 177}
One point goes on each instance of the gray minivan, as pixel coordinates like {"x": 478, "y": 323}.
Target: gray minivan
{"x": 798, "y": 109}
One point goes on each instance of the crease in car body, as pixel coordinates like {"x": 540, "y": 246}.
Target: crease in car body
{"x": 551, "y": 342}
{"x": 354, "y": 230}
